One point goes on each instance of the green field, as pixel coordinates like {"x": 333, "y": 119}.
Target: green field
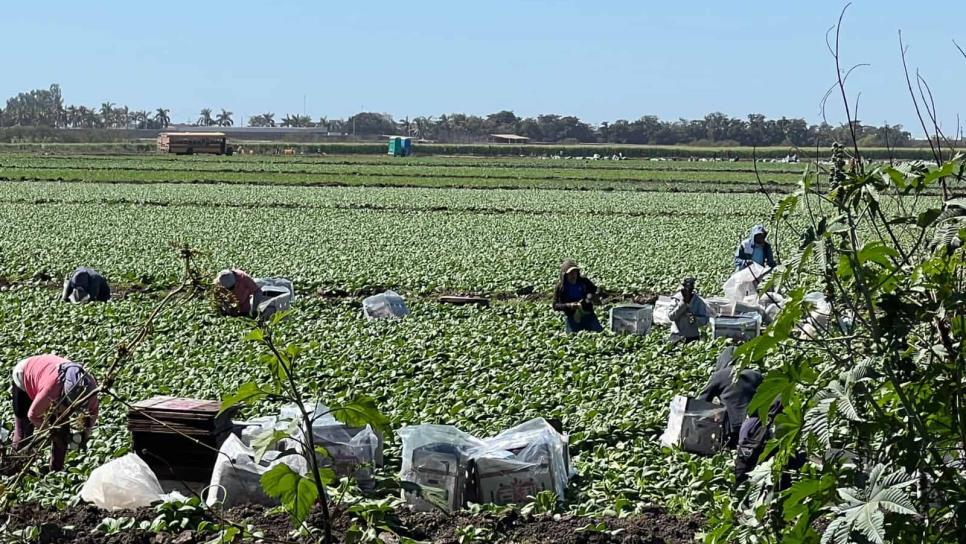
{"x": 424, "y": 227}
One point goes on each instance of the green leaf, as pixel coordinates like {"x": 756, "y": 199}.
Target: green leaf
{"x": 297, "y": 493}
{"x": 775, "y": 385}
{"x": 328, "y": 476}
{"x": 255, "y": 335}
{"x": 927, "y": 217}
{"x": 360, "y": 412}
{"x": 267, "y": 440}
{"x": 247, "y": 392}
{"x": 322, "y": 452}
{"x": 878, "y": 253}
{"x": 785, "y": 206}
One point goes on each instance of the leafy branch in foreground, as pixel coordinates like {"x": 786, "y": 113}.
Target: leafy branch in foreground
{"x": 298, "y": 492}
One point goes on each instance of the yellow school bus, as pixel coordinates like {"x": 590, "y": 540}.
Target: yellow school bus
{"x": 189, "y": 143}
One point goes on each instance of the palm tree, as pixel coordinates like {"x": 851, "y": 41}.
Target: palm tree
{"x": 205, "y": 119}
{"x": 290, "y": 120}
{"x": 224, "y": 119}
{"x": 268, "y": 119}
{"x": 107, "y": 114}
{"x": 139, "y": 118}
{"x": 161, "y": 117}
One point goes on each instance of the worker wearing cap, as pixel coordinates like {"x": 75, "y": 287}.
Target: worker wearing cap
{"x": 688, "y": 314}
{"x": 242, "y": 288}
{"x": 44, "y": 388}
{"x": 575, "y": 296}
{"x": 754, "y": 249}
{"x": 86, "y": 285}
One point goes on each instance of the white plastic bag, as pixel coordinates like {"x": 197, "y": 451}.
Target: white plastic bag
{"x": 236, "y": 478}
{"x": 662, "y": 310}
{"x": 384, "y": 305}
{"x": 742, "y": 286}
{"x": 123, "y": 483}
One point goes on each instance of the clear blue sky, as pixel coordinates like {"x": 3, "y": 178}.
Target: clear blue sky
{"x": 600, "y": 60}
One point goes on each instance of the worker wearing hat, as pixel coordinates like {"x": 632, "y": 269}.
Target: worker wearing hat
{"x": 45, "y": 389}
{"x": 754, "y": 249}
{"x": 86, "y": 285}
{"x": 688, "y": 314}
{"x": 575, "y": 296}
{"x": 242, "y": 288}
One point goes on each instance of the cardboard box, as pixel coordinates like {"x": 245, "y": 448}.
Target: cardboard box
{"x": 509, "y": 481}
{"x": 695, "y": 426}
{"x": 440, "y": 471}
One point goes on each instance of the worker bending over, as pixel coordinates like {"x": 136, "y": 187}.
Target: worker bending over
{"x": 251, "y": 297}
{"x": 688, "y": 314}
{"x": 734, "y": 392}
{"x": 48, "y": 389}
{"x": 754, "y": 249}
{"x": 575, "y": 296}
{"x": 86, "y": 285}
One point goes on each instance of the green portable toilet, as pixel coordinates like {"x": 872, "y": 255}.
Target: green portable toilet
{"x": 395, "y": 146}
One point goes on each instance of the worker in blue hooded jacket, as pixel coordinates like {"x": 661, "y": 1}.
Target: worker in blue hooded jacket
{"x": 754, "y": 249}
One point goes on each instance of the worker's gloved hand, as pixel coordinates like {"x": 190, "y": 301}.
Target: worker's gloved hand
{"x": 587, "y": 304}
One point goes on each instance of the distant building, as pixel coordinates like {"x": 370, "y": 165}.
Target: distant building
{"x": 508, "y": 139}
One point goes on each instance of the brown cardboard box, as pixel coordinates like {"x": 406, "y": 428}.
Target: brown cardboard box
{"x": 510, "y": 481}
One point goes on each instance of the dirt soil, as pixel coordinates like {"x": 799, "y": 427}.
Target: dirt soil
{"x": 656, "y": 526}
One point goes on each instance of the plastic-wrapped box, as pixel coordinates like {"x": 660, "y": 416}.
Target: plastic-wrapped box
{"x": 740, "y": 327}
{"x": 631, "y": 318}
{"x": 274, "y": 295}
{"x": 742, "y": 286}
{"x": 539, "y": 457}
{"x": 384, "y": 305}
{"x": 435, "y": 458}
{"x": 695, "y": 426}
{"x": 236, "y": 478}
{"x": 353, "y": 451}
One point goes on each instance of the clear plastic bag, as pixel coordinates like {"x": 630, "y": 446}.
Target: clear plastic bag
{"x": 695, "y": 426}
{"x": 384, "y": 305}
{"x": 522, "y": 460}
{"x": 236, "y": 478}
{"x": 631, "y": 318}
{"x": 123, "y": 483}
{"x": 662, "y": 310}
{"x": 435, "y": 458}
{"x": 742, "y": 286}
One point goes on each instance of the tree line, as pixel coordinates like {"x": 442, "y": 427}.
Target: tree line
{"x": 45, "y": 108}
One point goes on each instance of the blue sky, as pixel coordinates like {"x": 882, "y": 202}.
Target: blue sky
{"x": 598, "y": 60}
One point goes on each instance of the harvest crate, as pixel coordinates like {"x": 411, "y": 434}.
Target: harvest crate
{"x": 179, "y": 438}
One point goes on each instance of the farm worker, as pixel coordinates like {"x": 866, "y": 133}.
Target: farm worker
{"x": 242, "y": 288}
{"x": 754, "y": 249}
{"x": 688, "y": 314}
{"x": 44, "y": 388}
{"x": 85, "y": 285}
{"x": 734, "y": 392}
{"x": 575, "y": 296}
{"x": 751, "y": 443}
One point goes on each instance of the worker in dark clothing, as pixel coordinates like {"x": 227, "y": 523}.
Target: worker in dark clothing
{"x": 575, "y": 296}
{"x": 734, "y": 392}
{"x": 86, "y": 285}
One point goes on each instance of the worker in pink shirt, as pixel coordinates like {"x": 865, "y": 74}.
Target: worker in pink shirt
{"x": 242, "y": 288}
{"x": 44, "y": 387}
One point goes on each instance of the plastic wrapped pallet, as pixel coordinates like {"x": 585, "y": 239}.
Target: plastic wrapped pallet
{"x": 662, "y": 310}
{"x": 435, "y": 458}
{"x": 530, "y": 457}
{"x": 384, "y": 305}
{"x": 237, "y": 477}
{"x": 631, "y": 318}
{"x": 694, "y": 426}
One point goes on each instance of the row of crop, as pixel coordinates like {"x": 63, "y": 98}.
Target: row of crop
{"x": 135, "y": 170}
{"x": 706, "y": 206}
{"x": 444, "y": 161}
{"x": 351, "y": 249}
